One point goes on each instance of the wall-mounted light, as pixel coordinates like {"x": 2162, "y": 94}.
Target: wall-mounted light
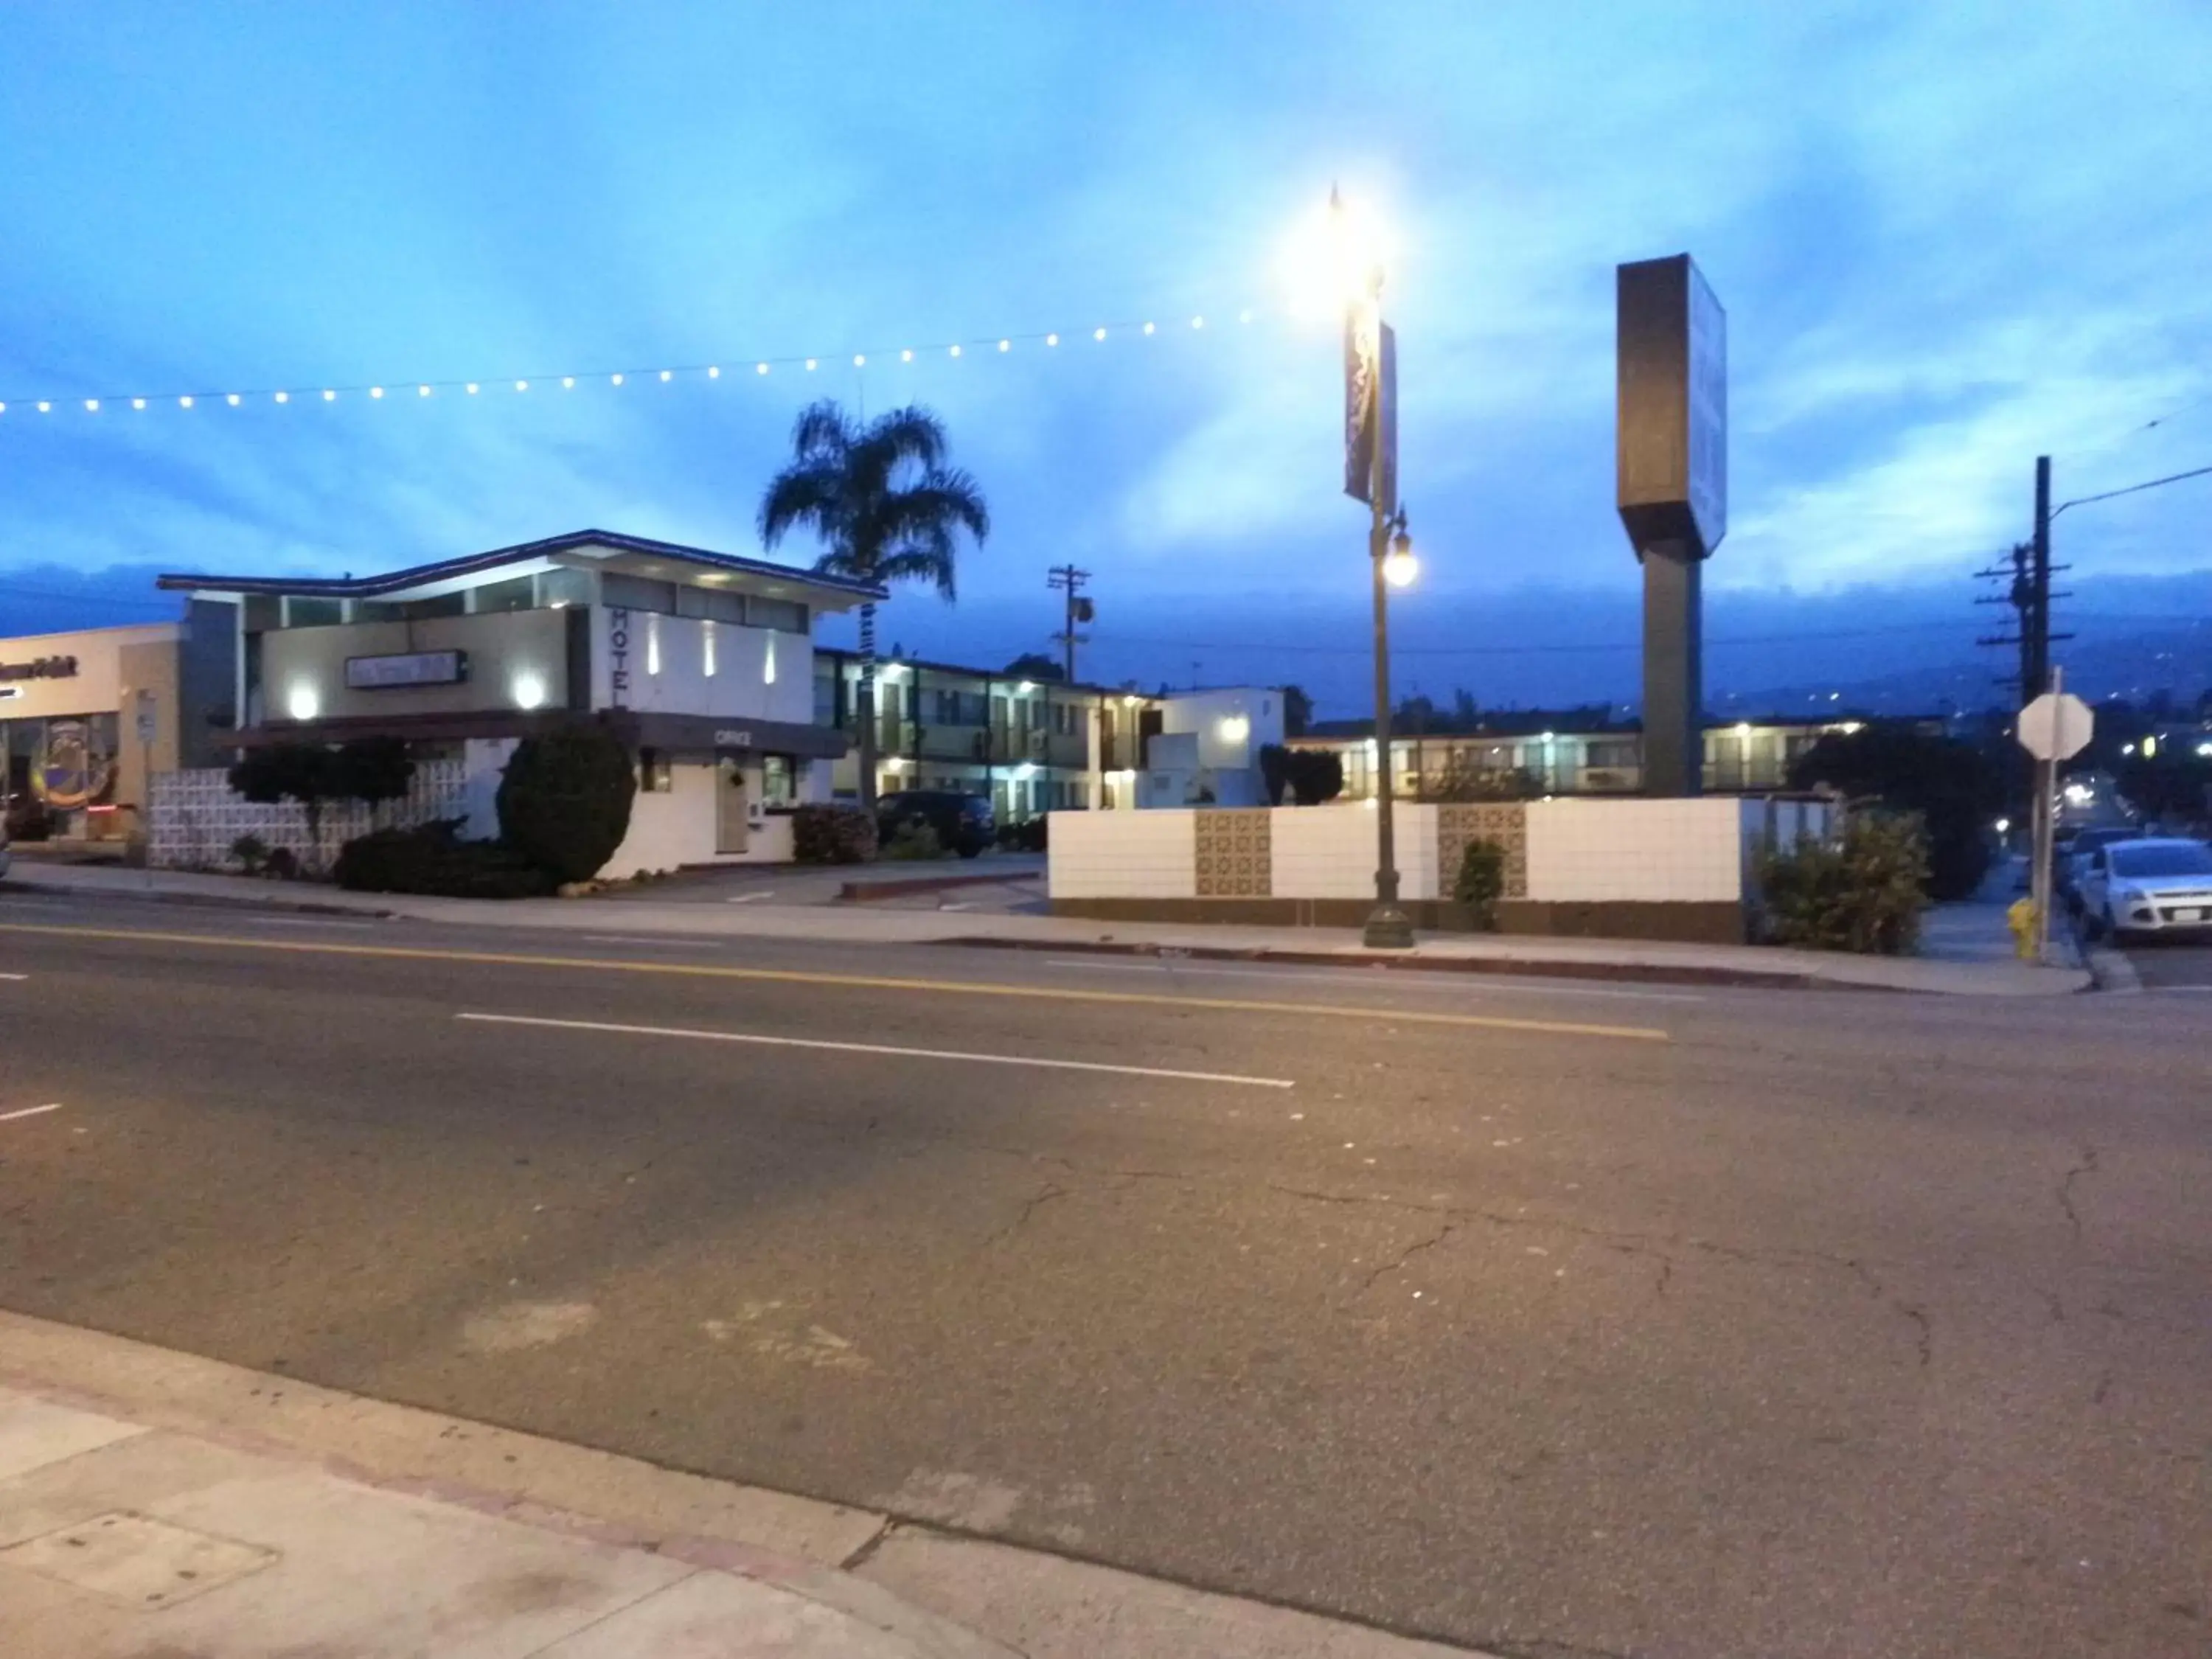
{"x": 767, "y": 662}
{"x": 706, "y": 648}
{"x": 1234, "y": 728}
{"x": 528, "y": 688}
{"x": 653, "y": 641}
{"x": 302, "y": 704}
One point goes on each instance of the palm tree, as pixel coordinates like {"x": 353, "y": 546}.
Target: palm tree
{"x": 886, "y": 509}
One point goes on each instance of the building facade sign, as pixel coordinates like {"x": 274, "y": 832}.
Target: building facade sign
{"x": 406, "y": 668}
{"x": 618, "y": 656}
{"x": 39, "y": 668}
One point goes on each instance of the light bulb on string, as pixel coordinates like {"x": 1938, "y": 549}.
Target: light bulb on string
{"x": 283, "y": 396}
{"x": 230, "y": 398}
{"x": 616, "y": 379}
{"x": 760, "y": 368}
{"x": 1198, "y": 322}
{"x": 329, "y": 395}
{"x": 1097, "y": 333}
{"x": 376, "y": 392}
{"x": 713, "y": 373}
{"x": 421, "y": 390}
{"x": 860, "y": 360}
{"x": 956, "y": 351}
{"x": 1148, "y": 328}
{"x": 184, "y": 401}
{"x": 91, "y": 406}
{"x": 522, "y": 386}
{"x": 1244, "y": 316}
{"x": 46, "y": 407}
{"x": 473, "y": 388}
{"x": 667, "y": 374}
{"x": 1052, "y": 339}
{"x": 137, "y": 403}
{"x": 810, "y": 365}
{"x": 568, "y": 383}
{"x": 1006, "y": 345}
{"x": 907, "y": 355}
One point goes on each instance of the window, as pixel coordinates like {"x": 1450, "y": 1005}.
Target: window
{"x": 828, "y": 710}
{"x": 635, "y": 593}
{"x": 312, "y": 613}
{"x": 783, "y": 615}
{"x": 710, "y": 602}
{"x": 1613, "y": 752}
{"x": 654, "y": 776}
{"x": 516, "y": 593}
{"x": 776, "y": 780}
{"x": 564, "y": 587}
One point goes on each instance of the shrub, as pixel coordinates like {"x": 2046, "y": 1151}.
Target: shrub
{"x": 431, "y": 859}
{"x": 372, "y": 769}
{"x": 1027, "y": 836}
{"x": 914, "y": 841}
{"x": 29, "y": 819}
{"x": 564, "y": 801}
{"x": 1481, "y": 881}
{"x": 251, "y": 853}
{"x": 821, "y": 833}
{"x": 1861, "y": 892}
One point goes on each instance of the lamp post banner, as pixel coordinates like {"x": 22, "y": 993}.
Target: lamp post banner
{"x": 1386, "y": 463}
{"x": 1362, "y": 397}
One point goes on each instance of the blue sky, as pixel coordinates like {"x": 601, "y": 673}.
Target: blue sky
{"x": 1949, "y": 238}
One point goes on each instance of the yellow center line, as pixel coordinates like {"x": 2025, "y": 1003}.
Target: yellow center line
{"x": 858, "y": 981}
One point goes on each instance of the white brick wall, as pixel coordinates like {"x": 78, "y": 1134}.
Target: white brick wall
{"x": 1123, "y": 855}
{"x": 1662, "y": 851}
{"x": 1329, "y": 852}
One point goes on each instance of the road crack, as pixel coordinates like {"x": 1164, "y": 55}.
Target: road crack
{"x": 1052, "y": 1190}
{"x": 1407, "y": 1255}
{"x": 2087, "y": 1166}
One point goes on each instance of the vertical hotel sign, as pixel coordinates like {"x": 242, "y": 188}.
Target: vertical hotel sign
{"x": 617, "y": 656}
{"x": 1708, "y": 411}
{"x": 1371, "y": 407}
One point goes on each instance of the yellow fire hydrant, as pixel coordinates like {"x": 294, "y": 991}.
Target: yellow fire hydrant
{"x": 2022, "y": 918}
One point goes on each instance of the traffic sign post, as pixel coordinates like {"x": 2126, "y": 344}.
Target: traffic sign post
{"x": 2054, "y": 727}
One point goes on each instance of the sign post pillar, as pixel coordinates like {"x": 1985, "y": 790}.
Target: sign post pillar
{"x": 2056, "y": 726}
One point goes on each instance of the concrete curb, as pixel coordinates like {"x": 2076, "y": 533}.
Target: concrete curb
{"x": 203, "y": 901}
{"x": 796, "y": 1544}
{"x": 860, "y": 892}
{"x": 1389, "y": 962}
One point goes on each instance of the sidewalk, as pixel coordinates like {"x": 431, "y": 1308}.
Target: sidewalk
{"x": 156, "y": 1506}
{"x": 1965, "y": 960}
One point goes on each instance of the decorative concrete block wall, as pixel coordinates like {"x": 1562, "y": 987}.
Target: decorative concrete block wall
{"x": 196, "y": 817}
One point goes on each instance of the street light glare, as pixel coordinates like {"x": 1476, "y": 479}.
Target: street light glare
{"x": 1335, "y": 255}
{"x": 1399, "y": 567}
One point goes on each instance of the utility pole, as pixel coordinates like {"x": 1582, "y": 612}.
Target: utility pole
{"x": 1066, "y": 579}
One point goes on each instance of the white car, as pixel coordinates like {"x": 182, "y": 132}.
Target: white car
{"x": 2148, "y": 886}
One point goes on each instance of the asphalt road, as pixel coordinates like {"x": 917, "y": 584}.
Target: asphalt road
{"x": 2173, "y": 966}
{"x": 1562, "y": 1320}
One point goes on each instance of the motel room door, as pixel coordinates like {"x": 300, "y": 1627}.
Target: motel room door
{"x": 731, "y": 819}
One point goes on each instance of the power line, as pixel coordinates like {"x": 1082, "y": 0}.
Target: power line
{"x": 2132, "y": 490}
{"x": 1521, "y": 650}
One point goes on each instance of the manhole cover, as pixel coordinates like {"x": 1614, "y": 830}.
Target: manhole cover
{"x": 137, "y": 1560}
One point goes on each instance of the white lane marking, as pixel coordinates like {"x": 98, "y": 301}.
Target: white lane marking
{"x": 1381, "y": 979}
{"x": 17, "y": 978}
{"x": 751, "y": 898}
{"x": 638, "y": 938}
{"x": 303, "y": 921}
{"x": 877, "y": 1048}
{"x": 29, "y": 1111}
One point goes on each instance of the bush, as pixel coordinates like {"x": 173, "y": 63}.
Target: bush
{"x": 914, "y": 841}
{"x": 251, "y": 853}
{"x": 431, "y": 859}
{"x": 825, "y": 834}
{"x": 372, "y": 769}
{"x": 564, "y": 801}
{"x": 1027, "y": 836}
{"x": 1481, "y": 881}
{"x": 1860, "y": 893}
{"x": 29, "y": 819}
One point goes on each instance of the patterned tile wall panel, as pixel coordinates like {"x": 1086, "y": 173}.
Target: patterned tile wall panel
{"x": 1234, "y": 853}
{"x": 197, "y": 817}
{"x": 1505, "y": 822}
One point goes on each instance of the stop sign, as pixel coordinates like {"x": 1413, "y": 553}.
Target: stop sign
{"x": 2056, "y": 726}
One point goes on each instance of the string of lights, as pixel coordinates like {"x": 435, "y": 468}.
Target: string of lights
{"x": 756, "y": 367}
{"x": 1522, "y": 650}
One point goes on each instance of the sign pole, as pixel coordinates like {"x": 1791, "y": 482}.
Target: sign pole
{"x": 2046, "y": 784}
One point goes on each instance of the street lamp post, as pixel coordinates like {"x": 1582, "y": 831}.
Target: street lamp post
{"x": 1390, "y": 552}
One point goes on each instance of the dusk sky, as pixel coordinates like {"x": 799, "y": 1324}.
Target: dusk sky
{"x": 1947, "y": 238}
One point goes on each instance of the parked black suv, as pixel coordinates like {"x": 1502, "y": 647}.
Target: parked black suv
{"x": 963, "y": 822}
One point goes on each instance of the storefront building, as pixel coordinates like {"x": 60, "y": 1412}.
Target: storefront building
{"x": 82, "y": 716}
{"x": 702, "y": 663}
